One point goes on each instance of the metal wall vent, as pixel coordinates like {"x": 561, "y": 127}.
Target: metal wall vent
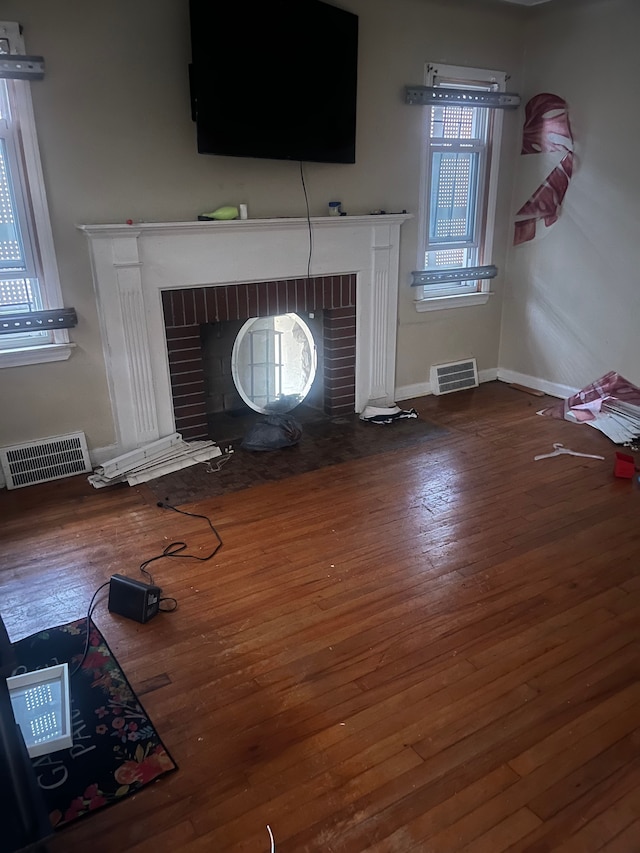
{"x": 454, "y": 376}
{"x": 44, "y": 460}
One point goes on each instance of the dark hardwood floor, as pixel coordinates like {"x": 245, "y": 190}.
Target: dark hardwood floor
{"x": 433, "y": 649}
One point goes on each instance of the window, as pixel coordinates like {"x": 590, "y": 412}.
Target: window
{"x": 28, "y": 270}
{"x": 460, "y": 165}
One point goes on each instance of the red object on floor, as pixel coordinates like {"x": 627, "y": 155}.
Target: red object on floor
{"x": 625, "y": 466}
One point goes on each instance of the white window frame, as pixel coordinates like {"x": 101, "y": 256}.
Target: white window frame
{"x": 31, "y": 200}
{"x": 436, "y": 297}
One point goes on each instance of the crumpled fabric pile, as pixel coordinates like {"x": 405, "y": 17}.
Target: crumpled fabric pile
{"x": 386, "y": 415}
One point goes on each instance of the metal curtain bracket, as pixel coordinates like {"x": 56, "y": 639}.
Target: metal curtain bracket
{"x": 448, "y": 275}
{"x": 16, "y": 67}
{"x": 434, "y": 95}
{"x": 38, "y": 321}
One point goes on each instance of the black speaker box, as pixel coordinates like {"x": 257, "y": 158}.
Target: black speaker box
{"x": 133, "y": 599}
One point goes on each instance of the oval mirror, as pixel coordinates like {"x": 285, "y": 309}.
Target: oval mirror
{"x": 273, "y": 362}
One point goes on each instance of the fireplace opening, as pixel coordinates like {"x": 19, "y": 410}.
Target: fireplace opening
{"x": 267, "y": 365}
{"x": 274, "y": 362}
{"x": 328, "y": 306}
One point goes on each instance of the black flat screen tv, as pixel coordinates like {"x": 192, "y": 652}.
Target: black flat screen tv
{"x": 274, "y": 79}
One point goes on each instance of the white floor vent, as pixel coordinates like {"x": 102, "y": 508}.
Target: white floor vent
{"x": 44, "y": 460}
{"x": 454, "y": 376}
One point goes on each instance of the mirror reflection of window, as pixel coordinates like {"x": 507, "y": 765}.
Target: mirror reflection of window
{"x": 273, "y": 362}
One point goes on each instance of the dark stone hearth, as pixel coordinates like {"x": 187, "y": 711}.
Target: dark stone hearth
{"x": 325, "y": 441}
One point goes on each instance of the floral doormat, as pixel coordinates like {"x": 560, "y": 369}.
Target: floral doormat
{"x": 116, "y": 750}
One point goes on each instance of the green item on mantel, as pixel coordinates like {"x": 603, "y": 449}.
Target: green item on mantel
{"x": 221, "y": 213}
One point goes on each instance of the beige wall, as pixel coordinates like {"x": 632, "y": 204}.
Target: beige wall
{"x": 117, "y": 142}
{"x": 574, "y": 297}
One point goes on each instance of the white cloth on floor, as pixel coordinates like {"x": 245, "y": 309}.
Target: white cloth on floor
{"x": 386, "y": 414}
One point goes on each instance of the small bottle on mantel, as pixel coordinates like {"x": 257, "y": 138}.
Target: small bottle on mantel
{"x": 335, "y": 208}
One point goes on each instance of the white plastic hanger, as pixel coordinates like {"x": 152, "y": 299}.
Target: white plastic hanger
{"x": 560, "y": 449}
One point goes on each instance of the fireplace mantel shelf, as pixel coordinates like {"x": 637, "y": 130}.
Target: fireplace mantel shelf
{"x": 277, "y": 224}
{"x": 133, "y": 265}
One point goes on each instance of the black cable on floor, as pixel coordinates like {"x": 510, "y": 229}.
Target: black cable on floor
{"x": 90, "y": 610}
{"x": 174, "y": 549}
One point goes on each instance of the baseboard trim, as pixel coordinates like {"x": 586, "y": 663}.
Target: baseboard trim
{"x": 553, "y": 389}
{"x": 489, "y": 375}
{"x": 103, "y": 454}
{"x": 408, "y": 392}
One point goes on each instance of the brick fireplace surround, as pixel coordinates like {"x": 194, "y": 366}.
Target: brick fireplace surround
{"x": 185, "y": 310}
{"x": 156, "y": 282}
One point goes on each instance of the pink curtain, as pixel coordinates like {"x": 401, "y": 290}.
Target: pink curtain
{"x": 546, "y": 129}
{"x": 589, "y": 398}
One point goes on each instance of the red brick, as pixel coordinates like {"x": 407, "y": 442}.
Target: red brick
{"x": 302, "y": 302}
{"x": 199, "y": 304}
{"x": 282, "y": 300}
{"x": 252, "y": 299}
{"x": 197, "y": 410}
{"x": 193, "y": 433}
{"x": 167, "y": 308}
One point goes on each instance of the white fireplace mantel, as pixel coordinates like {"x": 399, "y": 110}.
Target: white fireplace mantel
{"x": 133, "y": 264}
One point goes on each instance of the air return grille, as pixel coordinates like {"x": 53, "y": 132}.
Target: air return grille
{"x": 44, "y": 460}
{"x": 455, "y": 376}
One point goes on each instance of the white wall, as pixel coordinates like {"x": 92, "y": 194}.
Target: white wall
{"x": 573, "y": 298}
{"x": 118, "y": 142}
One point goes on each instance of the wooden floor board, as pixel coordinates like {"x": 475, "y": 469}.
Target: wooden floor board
{"x": 566, "y": 778}
{"x": 600, "y": 726}
{"x": 565, "y": 827}
{"x": 625, "y": 840}
{"x": 431, "y": 649}
{"x": 411, "y": 834}
{"x": 559, "y": 796}
{"x": 494, "y": 840}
